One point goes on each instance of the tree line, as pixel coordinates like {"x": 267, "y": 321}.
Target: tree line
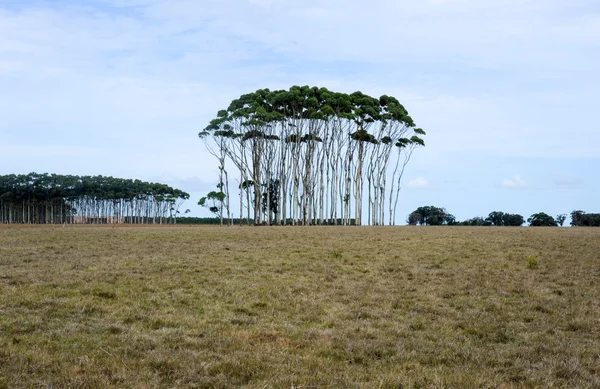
{"x": 436, "y": 216}
{"x": 308, "y": 155}
{"x": 52, "y": 198}
{"x": 582, "y": 219}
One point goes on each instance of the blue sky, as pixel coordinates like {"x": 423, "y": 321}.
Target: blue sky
{"x": 506, "y": 89}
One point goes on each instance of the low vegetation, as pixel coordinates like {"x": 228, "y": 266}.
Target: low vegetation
{"x": 294, "y": 307}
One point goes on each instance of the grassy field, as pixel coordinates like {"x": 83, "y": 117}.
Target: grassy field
{"x": 293, "y": 307}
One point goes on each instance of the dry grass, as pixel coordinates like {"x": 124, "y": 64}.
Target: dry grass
{"x": 211, "y": 307}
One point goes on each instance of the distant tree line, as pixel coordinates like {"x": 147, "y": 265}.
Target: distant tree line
{"x": 582, "y": 219}
{"x": 496, "y": 218}
{"x": 52, "y": 198}
{"x": 435, "y": 216}
{"x": 308, "y": 155}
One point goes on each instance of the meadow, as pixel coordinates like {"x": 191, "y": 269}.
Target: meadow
{"x": 299, "y": 307}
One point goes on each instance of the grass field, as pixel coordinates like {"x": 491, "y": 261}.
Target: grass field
{"x": 293, "y": 307}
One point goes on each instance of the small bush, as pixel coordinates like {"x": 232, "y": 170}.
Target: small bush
{"x": 336, "y": 254}
{"x": 533, "y": 262}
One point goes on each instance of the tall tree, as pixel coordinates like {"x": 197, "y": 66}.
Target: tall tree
{"x": 541, "y": 219}
{"x": 325, "y": 150}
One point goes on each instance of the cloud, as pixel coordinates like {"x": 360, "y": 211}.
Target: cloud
{"x": 567, "y": 182}
{"x": 418, "y": 183}
{"x": 138, "y": 79}
{"x": 516, "y": 182}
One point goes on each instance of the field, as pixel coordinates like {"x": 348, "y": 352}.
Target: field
{"x": 297, "y": 307}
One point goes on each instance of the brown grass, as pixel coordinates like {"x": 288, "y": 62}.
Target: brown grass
{"x": 211, "y": 307}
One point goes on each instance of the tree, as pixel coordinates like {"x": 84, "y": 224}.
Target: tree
{"x": 541, "y": 219}
{"x": 430, "y": 216}
{"x": 582, "y": 219}
{"x": 329, "y": 154}
{"x": 497, "y": 218}
{"x": 476, "y": 222}
{"x": 577, "y": 218}
{"x": 214, "y": 202}
{"x": 513, "y": 220}
{"x": 560, "y": 219}
{"x": 414, "y": 218}
{"x": 271, "y": 200}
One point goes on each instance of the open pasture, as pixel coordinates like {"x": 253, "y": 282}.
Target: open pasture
{"x": 299, "y": 307}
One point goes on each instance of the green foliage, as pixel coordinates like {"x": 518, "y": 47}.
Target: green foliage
{"x": 264, "y": 107}
{"x": 247, "y": 184}
{"x": 497, "y": 218}
{"x": 560, "y": 219}
{"x": 582, "y": 219}
{"x": 476, "y": 222}
{"x": 272, "y": 194}
{"x": 415, "y": 139}
{"x": 54, "y": 198}
{"x": 363, "y": 136}
{"x": 214, "y": 201}
{"x": 541, "y": 219}
{"x": 403, "y": 142}
{"x": 513, "y": 220}
{"x": 431, "y": 216}
{"x": 532, "y": 262}
{"x": 336, "y": 254}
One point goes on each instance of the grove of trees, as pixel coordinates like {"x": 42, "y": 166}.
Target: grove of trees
{"x": 434, "y": 216}
{"x": 498, "y": 218}
{"x": 430, "y": 216}
{"x": 51, "y": 198}
{"x": 542, "y": 219}
{"x": 582, "y": 219}
{"x": 308, "y": 155}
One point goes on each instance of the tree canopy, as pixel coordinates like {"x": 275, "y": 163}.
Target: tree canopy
{"x": 319, "y": 148}
{"x": 431, "y": 216}
{"x": 498, "y": 218}
{"x": 54, "y": 198}
{"x": 582, "y": 219}
{"x": 541, "y": 219}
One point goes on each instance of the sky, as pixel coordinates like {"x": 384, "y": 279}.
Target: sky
{"x": 505, "y": 89}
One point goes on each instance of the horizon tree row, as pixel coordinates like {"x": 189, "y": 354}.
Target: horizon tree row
{"x": 52, "y": 198}
{"x": 308, "y": 155}
{"x": 435, "y": 216}
{"x": 582, "y": 219}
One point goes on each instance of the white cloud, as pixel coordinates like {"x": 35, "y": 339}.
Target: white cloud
{"x": 515, "y": 182}
{"x": 418, "y": 183}
{"x": 134, "y": 78}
